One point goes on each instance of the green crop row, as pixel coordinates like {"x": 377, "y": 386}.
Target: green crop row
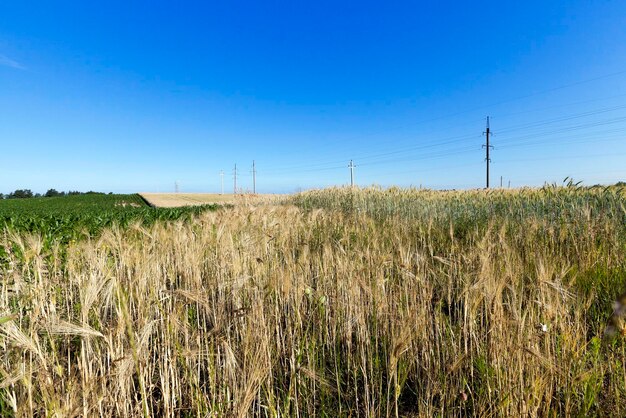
{"x": 63, "y": 219}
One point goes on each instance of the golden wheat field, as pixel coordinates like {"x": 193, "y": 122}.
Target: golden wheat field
{"x": 174, "y": 200}
{"x": 340, "y": 302}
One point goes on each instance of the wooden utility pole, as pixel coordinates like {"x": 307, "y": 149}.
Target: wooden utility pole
{"x": 487, "y": 147}
{"x": 235, "y": 178}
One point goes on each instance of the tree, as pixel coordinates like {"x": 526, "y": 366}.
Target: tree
{"x": 52, "y": 193}
{"x": 21, "y": 194}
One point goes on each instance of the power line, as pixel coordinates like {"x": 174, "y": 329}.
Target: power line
{"x": 565, "y": 86}
{"x": 563, "y": 157}
{"x": 471, "y": 149}
{"x": 506, "y": 144}
{"x": 429, "y": 156}
{"x": 333, "y": 165}
{"x": 580, "y": 82}
{"x": 440, "y": 155}
{"x": 460, "y": 139}
{"x": 456, "y": 166}
{"x": 468, "y": 149}
{"x": 562, "y": 105}
{"x": 562, "y": 119}
{"x": 519, "y": 127}
{"x": 510, "y": 100}
{"x": 501, "y": 162}
{"x": 540, "y": 92}
{"x": 567, "y": 129}
{"x": 589, "y": 138}
{"x": 534, "y": 138}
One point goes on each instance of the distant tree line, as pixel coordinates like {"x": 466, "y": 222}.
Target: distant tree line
{"x": 27, "y": 193}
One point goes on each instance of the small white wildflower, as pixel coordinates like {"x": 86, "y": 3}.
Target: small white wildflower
{"x": 544, "y": 327}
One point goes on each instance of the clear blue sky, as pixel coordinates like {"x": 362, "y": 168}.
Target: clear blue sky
{"x": 133, "y": 96}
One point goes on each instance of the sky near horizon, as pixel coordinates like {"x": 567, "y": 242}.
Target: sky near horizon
{"x": 135, "y": 96}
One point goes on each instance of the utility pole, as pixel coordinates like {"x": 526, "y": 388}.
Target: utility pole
{"x": 487, "y": 147}
{"x": 176, "y": 186}
{"x": 235, "y": 177}
{"x": 500, "y": 181}
{"x": 253, "y": 178}
{"x": 222, "y": 180}
{"x": 351, "y": 167}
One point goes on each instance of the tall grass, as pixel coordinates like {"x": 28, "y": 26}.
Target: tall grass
{"x": 400, "y": 303}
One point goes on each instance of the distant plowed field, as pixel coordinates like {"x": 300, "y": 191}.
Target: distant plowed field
{"x": 172, "y": 200}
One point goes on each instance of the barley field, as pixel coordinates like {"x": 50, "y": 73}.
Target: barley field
{"x": 338, "y": 302}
